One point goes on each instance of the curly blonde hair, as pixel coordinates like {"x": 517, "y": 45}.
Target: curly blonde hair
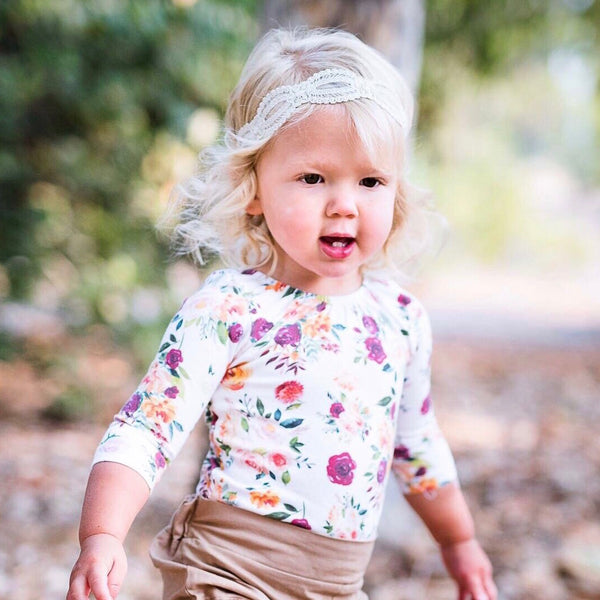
{"x": 210, "y": 207}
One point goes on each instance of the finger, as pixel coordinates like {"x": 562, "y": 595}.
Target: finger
{"x": 98, "y": 581}
{"x": 78, "y": 588}
{"x": 116, "y": 577}
{"x": 490, "y": 588}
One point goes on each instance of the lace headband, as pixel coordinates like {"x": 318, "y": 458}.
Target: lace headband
{"x": 331, "y": 86}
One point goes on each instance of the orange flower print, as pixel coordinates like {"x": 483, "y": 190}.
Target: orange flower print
{"x": 289, "y": 391}
{"x": 235, "y": 376}
{"x": 424, "y": 486}
{"x": 159, "y": 410}
{"x": 260, "y": 499}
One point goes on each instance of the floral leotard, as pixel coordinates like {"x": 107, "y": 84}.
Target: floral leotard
{"x": 310, "y": 401}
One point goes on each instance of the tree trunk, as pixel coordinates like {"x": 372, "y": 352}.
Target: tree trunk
{"x": 394, "y": 27}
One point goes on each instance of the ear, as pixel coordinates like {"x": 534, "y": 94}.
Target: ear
{"x": 254, "y": 207}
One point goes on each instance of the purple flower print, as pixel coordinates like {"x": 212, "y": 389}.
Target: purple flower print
{"x": 235, "y": 332}
{"x": 381, "y": 471}
{"x": 259, "y": 328}
{"x": 375, "y": 349}
{"x": 370, "y": 324}
{"x": 336, "y": 409}
{"x": 321, "y": 306}
{"x": 340, "y": 469}
{"x": 401, "y": 452}
{"x": 171, "y": 392}
{"x": 421, "y": 471}
{"x": 288, "y": 335}
{"x": 426, "y": 405}
{"x": 132, "y": 404}
{"x": 159, "y": 461}
{"x": 174, "y": 358}
{"x": 404, "y": 300}
{"x": 301, "y": 523}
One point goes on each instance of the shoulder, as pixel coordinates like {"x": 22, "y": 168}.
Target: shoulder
{"x": 225, "y": 290}
{"x": 405, "y": 311}
{"x": 396, "y": 298}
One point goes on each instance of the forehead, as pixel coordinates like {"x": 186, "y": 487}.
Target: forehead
{"x": 322, "y": 131}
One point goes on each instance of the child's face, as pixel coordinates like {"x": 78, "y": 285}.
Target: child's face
{"x": 328, "y": 205}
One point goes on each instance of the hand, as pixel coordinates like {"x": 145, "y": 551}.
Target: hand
{"x": 469, "y": 566}
{"x": 100, "y": 568}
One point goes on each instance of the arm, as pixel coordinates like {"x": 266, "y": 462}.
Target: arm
{"x": 447, "y": 517}
{"x": 114, "y": 496}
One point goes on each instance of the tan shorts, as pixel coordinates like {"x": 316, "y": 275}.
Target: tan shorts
{"x": 213, "y": 551}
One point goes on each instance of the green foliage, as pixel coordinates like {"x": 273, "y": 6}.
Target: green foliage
{"x": 87, "y": 87}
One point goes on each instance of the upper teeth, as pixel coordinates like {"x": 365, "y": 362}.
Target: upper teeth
{"x": 338, "y": 244}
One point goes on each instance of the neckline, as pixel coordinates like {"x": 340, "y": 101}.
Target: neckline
{"x": 291, "y": 289}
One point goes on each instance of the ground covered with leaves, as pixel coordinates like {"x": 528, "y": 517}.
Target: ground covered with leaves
{"x": 523, "y": 421}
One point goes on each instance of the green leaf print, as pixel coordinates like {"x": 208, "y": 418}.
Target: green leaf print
{"x": 286, "y": 478}
{"x": 291, "y": 423}
{"x": 245, "y": 426}
{"x": 290, "y": 507}
{"x": 222, "y": 332}
{"x": 279, "y": 516}
{"x": 295, "y": 444}
{"x": 183, "y": 372}
{"x": 164, "y": 346}
{"x": 260, "y": 407}
{"x": 384, "y": 401}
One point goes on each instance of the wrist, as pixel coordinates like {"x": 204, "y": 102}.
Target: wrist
{"x": 95, "y": 535}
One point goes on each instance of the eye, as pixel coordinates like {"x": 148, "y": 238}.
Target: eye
{"x": 370, "y": 182}
{"x": 311, "y": 178}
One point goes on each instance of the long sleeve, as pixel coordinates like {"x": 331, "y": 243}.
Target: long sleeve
{"x": 151, "y": 428}
{"x": 422, "y": 459}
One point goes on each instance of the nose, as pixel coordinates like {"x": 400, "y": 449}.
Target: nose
{"x": 341, "y": 203}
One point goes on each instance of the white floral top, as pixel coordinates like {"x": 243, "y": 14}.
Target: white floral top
{"x": 310, "y": 401}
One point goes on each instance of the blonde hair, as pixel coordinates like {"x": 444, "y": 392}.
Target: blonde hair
{"x": 210, "y": 207}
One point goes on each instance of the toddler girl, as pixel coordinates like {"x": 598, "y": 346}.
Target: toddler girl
{"x": 309, "y": 367}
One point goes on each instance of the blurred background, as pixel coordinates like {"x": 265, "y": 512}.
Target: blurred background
{"x": 104, "y": 106}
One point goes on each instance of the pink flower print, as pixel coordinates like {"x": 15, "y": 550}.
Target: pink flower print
{"x": 288, "y": 335}
{"x": 259, "y": 328}
{"x": 278, "y": 459}
{"x": 375, "y": 349}
{"x": 370, "y": 324}
{"x": 159, "y": 461}
{"x": 381, "y": 471}
{"x": 132, "y": 404}
{"x": 426, "y": 405}
{"x": 401, "y": 452}
{"x": 171, "y": 392}
{"x": 235, "y": 332}
{"x": 340, "y": 469}
{"x": 289, "y": 391}
{"x": 302, "y": 523}
{"x": 336, "y": 409}
{"x": 321, "y": 306}
{"x": 404, "y": 300}
{"x": 174, "y": 358}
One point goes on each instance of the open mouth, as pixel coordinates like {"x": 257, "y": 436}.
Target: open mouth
{"x": 337, "y": 242}
{"x": 337, "y": 246}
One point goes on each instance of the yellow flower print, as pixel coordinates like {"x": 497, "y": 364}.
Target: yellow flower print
{"x": 159, "y": 410}
{"x": 260, "y": 499}
{"x": 317, "y": 326}
{"x": 235, "y": 377}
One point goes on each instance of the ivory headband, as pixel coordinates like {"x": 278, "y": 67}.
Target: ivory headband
{"x": 331, "y": 86}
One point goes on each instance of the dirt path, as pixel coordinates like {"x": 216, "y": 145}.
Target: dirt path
{"x": 523, "y": 423}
